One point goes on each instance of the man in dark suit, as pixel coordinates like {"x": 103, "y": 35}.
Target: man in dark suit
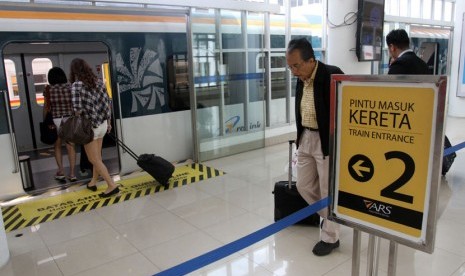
{"x": 403, "y": 60}
{"x": 312, "y": 119}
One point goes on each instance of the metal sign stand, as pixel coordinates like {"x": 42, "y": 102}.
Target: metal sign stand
{"x": 374, "y": 245}
{"x": 356, "y": 252}
{"x": 392, "y": 265}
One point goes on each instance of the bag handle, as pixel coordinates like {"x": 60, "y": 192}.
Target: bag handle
{"x": 47, "y": 105}
{"x": 125, "y": 147}
{"x": 290, "y": 164}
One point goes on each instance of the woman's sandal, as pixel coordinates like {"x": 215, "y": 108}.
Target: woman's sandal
{"x": 92, "y": 188}
{"x": 111, "y": 193}
{"x": 59, "y": 176}
{"x": 72, "y": 178}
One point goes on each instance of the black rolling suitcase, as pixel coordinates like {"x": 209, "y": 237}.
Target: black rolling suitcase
{"x": 156, "y": 166}
{"x": 448, "y": 159}
{"x": 287, "y": 199}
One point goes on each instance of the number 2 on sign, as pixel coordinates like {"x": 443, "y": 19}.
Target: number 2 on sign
{"x": 390, "y": 191}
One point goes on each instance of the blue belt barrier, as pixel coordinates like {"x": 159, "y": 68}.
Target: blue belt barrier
{"x": 453, "y": 149}
{"x": 232, "y": 247}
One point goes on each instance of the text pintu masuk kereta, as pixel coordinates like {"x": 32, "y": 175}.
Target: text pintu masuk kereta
{"x": 388, "y": 114}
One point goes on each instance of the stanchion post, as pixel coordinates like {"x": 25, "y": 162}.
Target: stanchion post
{"x": 4, "y": 253}
{"x": 392, "y": 265}
{"x": 373, "y": 255}
{"x": 356, "y": 253}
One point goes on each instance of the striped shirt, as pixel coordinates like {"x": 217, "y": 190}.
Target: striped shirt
{"x": 94, "y": 104}
{"x": 59, "y": 98}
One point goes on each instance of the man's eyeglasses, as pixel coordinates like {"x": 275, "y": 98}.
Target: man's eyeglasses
{"x": 295, "y": 66}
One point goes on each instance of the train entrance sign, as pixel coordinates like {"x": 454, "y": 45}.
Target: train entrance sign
{"x": 387, "y": 134}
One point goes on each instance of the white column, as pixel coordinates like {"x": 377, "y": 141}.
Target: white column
{"x": 4, "y": 253}
{"x": 341, "y": 40}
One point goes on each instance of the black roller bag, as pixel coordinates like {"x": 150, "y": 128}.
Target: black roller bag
{"x": 156, "y": 166}
{"x": 287, "y": 199}
{"x": 448, "y": 159}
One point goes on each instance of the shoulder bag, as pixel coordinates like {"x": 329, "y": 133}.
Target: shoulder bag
{"x": 48, "y": 130}
{"x": 77, "y": 130}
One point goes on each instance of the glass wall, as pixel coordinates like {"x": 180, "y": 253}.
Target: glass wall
{"x": 279, "y": 94}
{"x": 241, "y": 82}
{"x": 229, "y": 84}
{"x": 440, "y": 10}
{"x": 306, "y": 20}
{"x": 429, "y": 41}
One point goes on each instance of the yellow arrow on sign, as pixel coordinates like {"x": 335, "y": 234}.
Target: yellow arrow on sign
{"x": 358, "y": 168}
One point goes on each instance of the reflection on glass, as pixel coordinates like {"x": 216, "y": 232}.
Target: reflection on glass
{"x": 207, "y": 72}
{"x": 414, "y": 10}
{"x": 178, "y": 81}
{"x": 307, "y": 21}
{"x": 437, "y": 10}
{"x": 255, "y": 30}
{"x": 404, "y": 9}
{"x": 279, "y": 93}
{"x": 278, "y": 75}
{"x": 255, "y": 77}
{"x": 10, "y": 70}
{"x": 235, "y": 83}
{"x": 427, "y": 9}
{"x": 231, "y": 30}
{"x": 448, "y": 11}
{"x": 40, "y": 67}
{"x": 277, "y": 31}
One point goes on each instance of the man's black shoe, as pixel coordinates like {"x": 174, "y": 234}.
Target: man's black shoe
{"x": 323, "y": 248}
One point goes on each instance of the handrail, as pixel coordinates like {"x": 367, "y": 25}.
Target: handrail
{"x": 119, "y": 131}
{"x": 12, "y": 135}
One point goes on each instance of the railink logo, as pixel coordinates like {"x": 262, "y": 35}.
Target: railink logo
{"x": 231, "y": 123}
{"x": 378, "y": 208}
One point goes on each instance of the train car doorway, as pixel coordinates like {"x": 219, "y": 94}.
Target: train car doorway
{"x": 27, "y": 75}
{"x": 26, "y": 67}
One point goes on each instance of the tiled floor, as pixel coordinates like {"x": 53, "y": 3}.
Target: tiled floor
{"x": 153, "y": 233}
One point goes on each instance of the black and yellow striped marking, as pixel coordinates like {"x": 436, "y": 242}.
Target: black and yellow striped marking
{"x": 50, "y": 208}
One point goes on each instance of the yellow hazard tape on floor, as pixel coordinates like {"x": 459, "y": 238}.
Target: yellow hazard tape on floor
{"x": 38, "y": 211}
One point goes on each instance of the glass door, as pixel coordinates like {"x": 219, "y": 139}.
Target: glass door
{"x": 229, "y": 83}
{"x": 27, "y": 78}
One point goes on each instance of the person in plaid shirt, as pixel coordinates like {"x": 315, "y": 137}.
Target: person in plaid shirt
{"x": 90, "y": 98}
{"x": 57, "y": 97}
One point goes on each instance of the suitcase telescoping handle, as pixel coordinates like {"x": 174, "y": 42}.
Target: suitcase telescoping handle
{"x": 290, "y": 164}
{"x": 124, "y": 146}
